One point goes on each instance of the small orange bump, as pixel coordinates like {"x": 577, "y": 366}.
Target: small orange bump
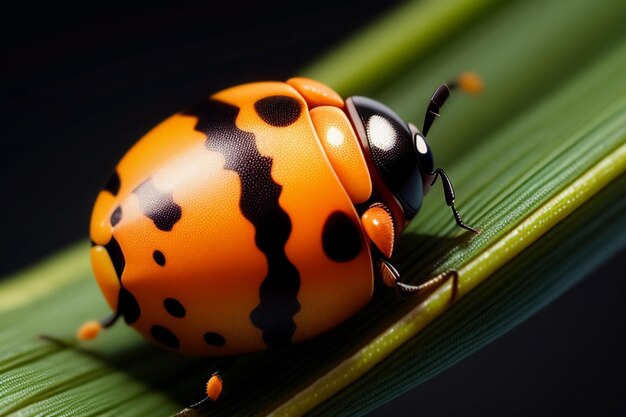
{"x": 378, "y": 225}
{"x": 470, "y": 83}
{"x": 100, "y": 228}
{"x": 105, "y": 275}
{"x": 315, "y": 93}
{"x": 214, "y": 387}
{"x": 389, "y": 279}
{"x": 89, "y": 330}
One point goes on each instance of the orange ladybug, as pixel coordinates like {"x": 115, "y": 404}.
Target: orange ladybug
{"x": 259, "y": 217}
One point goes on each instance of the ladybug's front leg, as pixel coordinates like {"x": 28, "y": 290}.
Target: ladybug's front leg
{"x": 448, "y": 192}
{"x": 378, "y": 225}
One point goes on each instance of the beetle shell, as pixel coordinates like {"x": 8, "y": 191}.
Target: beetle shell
{"x": 227, "y": 228}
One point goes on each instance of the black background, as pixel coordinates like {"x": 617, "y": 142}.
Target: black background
{"x": 79, "y": 84}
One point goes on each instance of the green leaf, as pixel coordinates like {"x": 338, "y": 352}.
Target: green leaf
{"x": 538, "y": 163}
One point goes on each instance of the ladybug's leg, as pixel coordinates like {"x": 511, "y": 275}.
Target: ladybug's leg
{"x": 213, "y": 391}
{"x": 378, "y": 225}
{"x": 448, "y": 192}
{"x": 391, "y": 278}
{"x": 91, "y": 329}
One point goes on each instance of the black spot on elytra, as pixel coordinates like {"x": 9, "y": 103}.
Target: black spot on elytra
{"x": 214, "y": 339}
{"x": 158, "y": 206}
{"x": 278, "y": 111}
{"x": 117, "y": 256}
{"x": 127, "y": 306}
{"x": 116, "y": 216}
{"x": 113, "y": 185}
{"x": 174, "y": 307}
{"x": 165, "y": 336}
{"x": 341, "y": 238}
{"x": 259, "y": 204}
{"x": 158, "y": 257}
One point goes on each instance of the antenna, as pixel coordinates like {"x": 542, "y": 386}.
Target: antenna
{"x": 467, "y": 81}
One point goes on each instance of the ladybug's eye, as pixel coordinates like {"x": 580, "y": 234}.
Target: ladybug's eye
{"x": 424, "y": 155}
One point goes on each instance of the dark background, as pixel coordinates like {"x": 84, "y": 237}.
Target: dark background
{"x": 79, "y": 84}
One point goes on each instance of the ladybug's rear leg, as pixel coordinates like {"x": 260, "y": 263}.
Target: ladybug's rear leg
{"x": 127, "y": 307}
{"x": 92, "y": 328}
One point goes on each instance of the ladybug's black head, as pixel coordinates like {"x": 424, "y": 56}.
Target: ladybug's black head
{"x": 398, "y": 150}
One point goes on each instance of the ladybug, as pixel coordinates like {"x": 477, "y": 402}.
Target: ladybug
{"x": 260, "y": 216}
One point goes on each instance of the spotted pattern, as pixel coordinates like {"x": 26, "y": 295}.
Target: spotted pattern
{"x": 117, "y": 256}
{"x": 113, "y": 185}
{"x": 158, "y": 257}
{"x": 165, "y": 336}
{"x": 278, "y": 111}
{"x": 259, "y": 204}
{"x": 174, "y": 307}
{"x": 116, "y": 216}
{"x": 127, "y": 305}
{"x": 341, "y": 239}
{"x": 214, "y": 339}
{"x": 158, "y": 206}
